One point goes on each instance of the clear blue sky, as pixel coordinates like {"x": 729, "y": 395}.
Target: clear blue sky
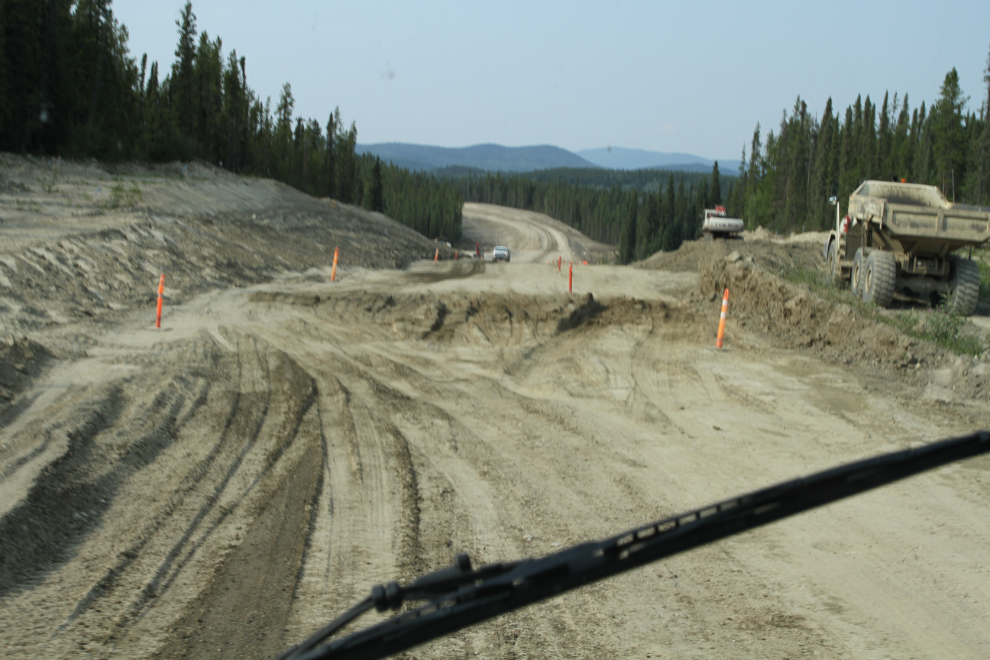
{"x": 691, "y": 77}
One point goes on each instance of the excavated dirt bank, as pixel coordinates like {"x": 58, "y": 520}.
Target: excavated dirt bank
{"x": 229, "y": 483}
{"x": 797, "y": 318}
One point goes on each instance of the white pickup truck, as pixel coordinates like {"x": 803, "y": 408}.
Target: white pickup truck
{"x": 717, "y": 224}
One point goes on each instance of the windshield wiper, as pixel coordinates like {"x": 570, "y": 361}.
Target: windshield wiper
{"x": 459, "y": 596}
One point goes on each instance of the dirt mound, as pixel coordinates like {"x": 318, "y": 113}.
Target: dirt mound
{"x": 770, "y": 255}
{"x": 798, "y": 318}
{"x": 69, "y": 252}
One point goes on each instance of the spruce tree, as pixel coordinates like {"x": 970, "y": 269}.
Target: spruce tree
{"x": 848, "y": 174}
{"x": 821, "y": 174}
{"x": 901, "y": 144}
{"x": 5, "y": 97}
{"x": 644, "y": 233}
{"x": 627, "y": 236}
{"x": 923, "y": 148}
{"x": 669, "y": 219}
{"x": 377, "y": 189}
{"x": 979, "y": 185}
{"x": 716, "y": 193}
{"x": 884, "y": 169}
{"x": 181, "y": 84}
{"x": 948, "y": 137}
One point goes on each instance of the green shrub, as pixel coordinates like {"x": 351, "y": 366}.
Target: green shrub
{"x": 121, "y": 196}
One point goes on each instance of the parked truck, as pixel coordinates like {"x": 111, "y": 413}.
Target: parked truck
{"x": 716, "y": 224}
{"x": 903, "y": 238}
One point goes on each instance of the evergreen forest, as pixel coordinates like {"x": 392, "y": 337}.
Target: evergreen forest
{"x": 790, "y": 174}
{"x": 68, "y": 87}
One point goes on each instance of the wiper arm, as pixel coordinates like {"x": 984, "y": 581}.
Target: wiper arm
{"x": 460, "y": 596}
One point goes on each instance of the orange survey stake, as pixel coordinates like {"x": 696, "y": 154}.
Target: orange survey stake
{"x": 721, "y": 320}
{"x": 333, "y": 271}
{"x": 570, "y": 278}
{"x": 161, "y": 292}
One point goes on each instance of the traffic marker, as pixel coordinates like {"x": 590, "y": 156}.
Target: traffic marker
{"x": 161, "y": 292}
{"x": 721, "y": 321}
{"x": 436, "y": 256}
{"x": 333, "y": 271}
{"x": 570, "y": 278}
{"x": 558, "y": 263}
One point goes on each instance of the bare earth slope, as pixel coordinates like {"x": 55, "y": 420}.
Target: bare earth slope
{"x": 227, "y": 484}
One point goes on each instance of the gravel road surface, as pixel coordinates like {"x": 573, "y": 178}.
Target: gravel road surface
{"x": 227, "y": 484}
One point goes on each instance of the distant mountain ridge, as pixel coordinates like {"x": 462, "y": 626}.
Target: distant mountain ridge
{"x": 490, "y": 157}
{"x": 496, "y": 158}
{"x": 622, "y": 158}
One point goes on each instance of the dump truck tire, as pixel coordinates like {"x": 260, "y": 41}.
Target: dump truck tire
{"x": 879, "y": 278}
{"x": 965, "y": 286}
{"x": 856, "y": 278}
{"x": 832, "y": 265}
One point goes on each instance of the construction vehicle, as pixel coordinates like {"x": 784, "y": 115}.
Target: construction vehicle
{"x": 716, "y": 224}
{"x": 901, "y": 238}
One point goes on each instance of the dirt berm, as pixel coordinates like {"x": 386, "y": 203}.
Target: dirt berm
{"x": 228, "y": 483}
{"x": 796, "y": 317}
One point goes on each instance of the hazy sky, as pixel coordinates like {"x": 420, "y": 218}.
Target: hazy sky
{"x": 692, "y": 77}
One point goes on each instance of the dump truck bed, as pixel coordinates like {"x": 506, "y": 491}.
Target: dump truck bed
{"x": 919, "y": 217}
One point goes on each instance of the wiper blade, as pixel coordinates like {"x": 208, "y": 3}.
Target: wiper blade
{"x": 460, "y": 596}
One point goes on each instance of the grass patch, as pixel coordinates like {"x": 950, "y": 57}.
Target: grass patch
{"x": 49, "y": 182}
{"x": 123, "y": 197}
{"x": 984, "y": 264}
{"x": 939, "y": 326}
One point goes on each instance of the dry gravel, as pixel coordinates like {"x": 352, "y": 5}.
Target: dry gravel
{"x": 228, "y": 483}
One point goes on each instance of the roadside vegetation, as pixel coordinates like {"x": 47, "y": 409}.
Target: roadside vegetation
{"x": 937, "y": 325}
{"x": 791, "y": 173}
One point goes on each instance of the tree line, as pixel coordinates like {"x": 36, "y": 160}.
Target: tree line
{"x": 790, "y": 174}
{"x": 68, "y": 87}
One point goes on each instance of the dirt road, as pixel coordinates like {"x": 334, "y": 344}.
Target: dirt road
{"x": 228, "y": 484}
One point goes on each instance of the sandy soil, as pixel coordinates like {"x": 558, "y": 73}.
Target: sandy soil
{"x": 225, "y": 485}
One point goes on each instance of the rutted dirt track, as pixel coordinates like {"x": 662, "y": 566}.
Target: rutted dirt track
{"x": 229, "y": 483}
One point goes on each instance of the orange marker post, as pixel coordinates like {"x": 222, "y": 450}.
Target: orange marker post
{"x": 436, "y": 256}
{"x": 455, "y": 255}
{"x": 721, "y": 321}
{"x": 570, "y": 278}
{"x": 333, "y": 271}
{"x": 558, "y": 263}
{"x": 161, "y": 292}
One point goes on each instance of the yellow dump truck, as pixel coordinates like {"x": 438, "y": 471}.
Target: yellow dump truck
{"x": 901, "y": 238}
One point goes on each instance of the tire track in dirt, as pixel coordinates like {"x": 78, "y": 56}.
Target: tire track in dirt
{"x": 48, "y": 523}
{"x": 223, "y": 464}
{"x": 189, "y": 485}
{"x": 289, "y": 397}
{"x": 259, "y": 579}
